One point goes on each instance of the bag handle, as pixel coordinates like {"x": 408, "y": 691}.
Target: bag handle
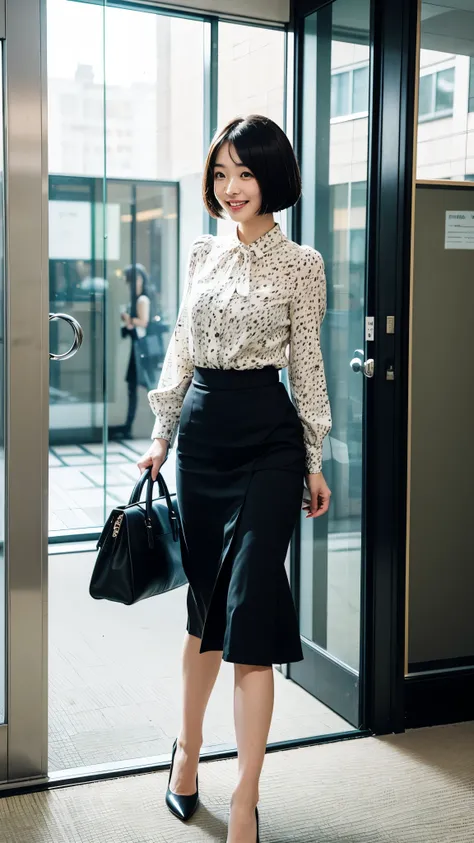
{"x": 136, "y": 495}
{"x": 138, "y": 488}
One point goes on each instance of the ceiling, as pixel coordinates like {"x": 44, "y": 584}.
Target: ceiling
{"x": 448, "y": 27}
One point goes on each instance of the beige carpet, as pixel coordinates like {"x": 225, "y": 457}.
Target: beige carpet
{"x": 411, "y": 788}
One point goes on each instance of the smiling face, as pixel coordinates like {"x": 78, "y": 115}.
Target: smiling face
{"x": 235, "y": 187}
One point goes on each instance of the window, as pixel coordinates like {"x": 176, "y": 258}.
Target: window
{"x": 436, "y": 94}
{"x": 444, "y": 148}
{"x": 251, "y": 73}
{"x": 350, "y": 92}
{"x": 471, "y": 85}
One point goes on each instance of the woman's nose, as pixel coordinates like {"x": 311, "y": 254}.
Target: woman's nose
{"x": 232, "y": 187}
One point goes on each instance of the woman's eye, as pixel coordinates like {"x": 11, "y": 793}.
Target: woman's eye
{"x": 218, "y": 175}
{"x": 250, "y": 175}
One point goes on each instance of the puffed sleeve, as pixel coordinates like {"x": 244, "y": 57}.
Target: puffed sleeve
{"x": 176, "y": 375}
{"x": 306, "y": 368}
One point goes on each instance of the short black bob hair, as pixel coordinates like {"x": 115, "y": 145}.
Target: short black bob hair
{"x": 265, "y": 149}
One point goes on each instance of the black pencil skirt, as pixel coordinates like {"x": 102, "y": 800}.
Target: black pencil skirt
{"x": 240, "y": 468}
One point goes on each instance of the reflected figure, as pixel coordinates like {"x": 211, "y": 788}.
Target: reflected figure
{"x": 143, "y": 353}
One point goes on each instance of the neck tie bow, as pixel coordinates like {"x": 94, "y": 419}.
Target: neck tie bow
{"x": 231, "y": 269}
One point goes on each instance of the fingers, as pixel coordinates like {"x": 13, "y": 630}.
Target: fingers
{"x": 323, "y": 506}
{"x": 144, "y": 463}
{"x": 318, "y": 505}
{"x": 149, "y": 461}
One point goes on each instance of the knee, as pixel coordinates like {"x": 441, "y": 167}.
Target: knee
{"x": 245, "y": 669}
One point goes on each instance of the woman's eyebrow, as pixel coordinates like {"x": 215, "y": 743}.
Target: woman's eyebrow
{"x": 225, "y": 165}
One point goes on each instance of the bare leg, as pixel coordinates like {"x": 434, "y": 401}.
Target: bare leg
{"x": 253, "y": 709}
{"x": 199, "y": 673}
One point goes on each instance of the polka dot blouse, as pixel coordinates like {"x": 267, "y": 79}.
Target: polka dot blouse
{"x": 246, "y": 307}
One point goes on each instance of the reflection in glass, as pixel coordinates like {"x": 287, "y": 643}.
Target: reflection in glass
{"x": 471, "y": 85}
{"x": 77, "y": 262}
{"x": 444, "y": 96}
{"x": 445, "y": 130}
{"x": 350, "y": 92}
{"x": 340, "y": 95}
{"x": 425, "y": 97}
{"x": 148, "y": 241}
{"x": 125, "y": 138}
{"x": 437, "y": 93}
{"x": 334, "y": 218}
{"x": 360, "y": 101}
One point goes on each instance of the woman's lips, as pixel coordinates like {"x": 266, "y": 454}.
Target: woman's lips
{"x": 238, "y": 206}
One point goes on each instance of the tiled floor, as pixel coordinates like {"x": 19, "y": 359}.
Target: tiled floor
{"x": 76, "y": 477}
{"x": 114, "y": 678}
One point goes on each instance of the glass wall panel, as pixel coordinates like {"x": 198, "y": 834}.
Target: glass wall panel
{"x": 334, "y": 219}
{"x": 3, "y": 601}
{"x": 154, "y": 106}
{"x": 125, "y": 158}
{"x": 251, "y": 80}
{"x": 445, "y": 147}
{"x": 77, "y": 262}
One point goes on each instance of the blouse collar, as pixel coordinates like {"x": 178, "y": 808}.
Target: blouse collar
{"x": 265, "y": 243}
{"x": 230, "y": 253}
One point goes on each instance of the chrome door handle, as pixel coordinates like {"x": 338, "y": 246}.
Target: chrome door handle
{"x": 365, "y": 366}
{"x": 78, "y": 336}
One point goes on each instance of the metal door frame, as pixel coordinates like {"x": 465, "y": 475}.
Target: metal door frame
{"x": 23, "y": 741}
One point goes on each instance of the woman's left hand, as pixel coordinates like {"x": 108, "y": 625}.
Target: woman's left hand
{"x": 125, "y": 317}
{"x": 320, "y": 496}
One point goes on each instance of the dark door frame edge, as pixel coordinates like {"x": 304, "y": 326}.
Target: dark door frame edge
{"x": 394, "y": 28}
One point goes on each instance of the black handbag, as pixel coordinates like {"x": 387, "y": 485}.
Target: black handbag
{"x": 140, "y": 547}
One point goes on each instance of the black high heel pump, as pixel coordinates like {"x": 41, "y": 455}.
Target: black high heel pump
{"x": 182, "y": 807}
{"x": 258, "y": 835}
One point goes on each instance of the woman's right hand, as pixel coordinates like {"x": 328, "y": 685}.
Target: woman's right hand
{"x": 154, "y": 457}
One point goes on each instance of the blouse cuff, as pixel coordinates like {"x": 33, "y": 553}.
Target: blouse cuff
{"x": 314, "y": 459}
{"x": 162, "y": 430}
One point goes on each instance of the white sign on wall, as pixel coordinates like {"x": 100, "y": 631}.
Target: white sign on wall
{"x": 70, "y": 231}
{"x": 70, "y": 235}
{"x": 459, "y": 230}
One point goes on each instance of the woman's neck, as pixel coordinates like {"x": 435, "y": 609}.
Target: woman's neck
{"x": 249, "y": 231}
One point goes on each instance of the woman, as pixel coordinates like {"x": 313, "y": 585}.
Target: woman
{"x": 136, "y": 327}
{"x": 244, "y": 449}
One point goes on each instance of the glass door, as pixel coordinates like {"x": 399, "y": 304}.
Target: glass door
{"x": 125, "y": 96}
{"x": 334, "y": 102}
{"x": 80, "y": 220}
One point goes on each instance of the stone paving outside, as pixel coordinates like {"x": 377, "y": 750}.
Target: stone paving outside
{"x": 76, "y": 482}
